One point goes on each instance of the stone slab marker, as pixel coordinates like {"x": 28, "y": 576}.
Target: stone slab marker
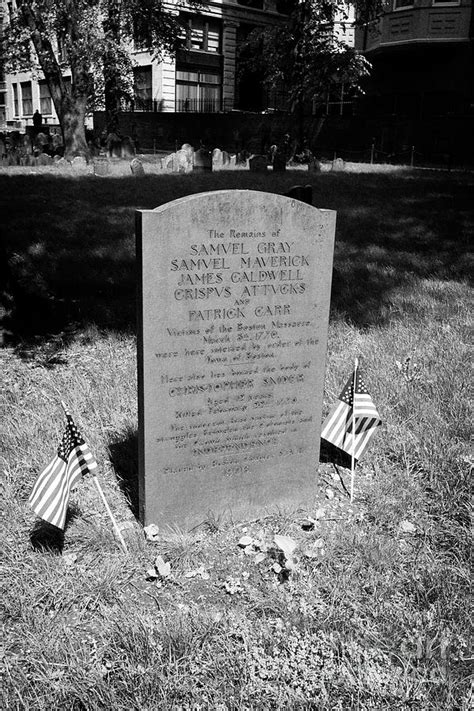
{"x": 233, "y": 315}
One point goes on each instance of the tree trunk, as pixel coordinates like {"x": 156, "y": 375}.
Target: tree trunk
{"x": 111, "y": 25}
{"x": 72, "y": 115}
{"x": 69, "y": 101}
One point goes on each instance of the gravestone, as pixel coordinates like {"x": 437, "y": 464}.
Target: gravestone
{"x": 27, "y": 145}
{"x": 217, "y": 159}
{"x": 338, "y": 164}
{"x": 101, "y": 167}
{"x": 136, "y": 166}
{"x": 233, "y": 314}
{"x": 258, "y": 164}
{"x": 79, "y": 163}
{"x": 202, "y": 161}
{"x": 169, "y": 161}
{"x": 63, "y": 163}
{"x": 44, "y": 159}
{"x": 184, "y": 158}
{"x": 314, "y": 165}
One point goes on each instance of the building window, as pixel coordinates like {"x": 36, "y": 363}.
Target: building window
{"x": 16, "y": 108}
{"x": 198, "y": 91}
{"x": 26, "y": 98}
{"x": 202, "y": 34}
{"x": 46, "y": 105}
{"x": 3, "y": 111}
{"x": 403, "y": 4}
{"x": 440, "y": 3}
{"x": 142, "y": 89}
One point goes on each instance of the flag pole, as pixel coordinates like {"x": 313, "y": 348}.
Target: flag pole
{"x": 356, "y": 365}
{"x": 104, "y": 500}
{"x": 112, "y": 518}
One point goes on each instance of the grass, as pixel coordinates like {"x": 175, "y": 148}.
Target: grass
{"x": 375, "y": 614}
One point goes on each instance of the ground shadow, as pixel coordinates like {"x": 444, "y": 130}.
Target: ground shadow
{"x": 68, "y": 260}
{"x": 123, "y": 453}
{"x": 45, "y": 537}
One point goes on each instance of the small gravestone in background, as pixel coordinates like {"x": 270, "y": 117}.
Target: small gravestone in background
{"x": 169, "y": 161}
{"x": 44, "y": 159}
{"x": 185, "y": 158}
{"x": 258, "y": 164}
{"x": 233, "y": 315}
{"x": 202, "y": 162}
{"x": 27, "y": 145}
{"x": 217, "y": 159}
{"x": 79, "y": 163}
{"x": 136, "y": 166}
{"x": 101, "y": 166}
{"x": 314, "y": 166}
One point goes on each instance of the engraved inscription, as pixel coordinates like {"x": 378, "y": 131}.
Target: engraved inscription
{"x": 234, "y": 323}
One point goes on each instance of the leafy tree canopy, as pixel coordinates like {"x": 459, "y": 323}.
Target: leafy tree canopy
{"x": 306, "y": 55}
{"x": 88, "y": 41}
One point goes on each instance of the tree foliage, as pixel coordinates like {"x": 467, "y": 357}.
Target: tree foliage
{"x": 305, "y": 55}
{"x": 88, "y": 41}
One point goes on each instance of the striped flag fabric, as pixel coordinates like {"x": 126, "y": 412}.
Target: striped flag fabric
{"x": 49, "y": 498}
{"x": 354, "y": 406}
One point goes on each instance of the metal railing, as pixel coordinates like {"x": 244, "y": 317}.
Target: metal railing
{"x": 199, "y": 106}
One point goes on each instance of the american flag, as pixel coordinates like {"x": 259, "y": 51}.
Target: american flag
{"x": 50, "y": 496}
{"x": 355, "y": 406}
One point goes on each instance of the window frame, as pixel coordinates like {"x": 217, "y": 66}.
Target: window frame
{"x": 26, "y": 102}
{"x": 45, "y": 101}
{"x": 403, "y": 7}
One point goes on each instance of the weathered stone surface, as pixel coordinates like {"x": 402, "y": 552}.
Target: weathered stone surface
{"x": 79, "y": 163}
{"x": 258, "y": 164}
{"x": 338, "y": 164}
{"x": 136, "y": 166}
{"x": 169, "y": 162}
{"x": 101, "y": 167}
{"x": 44, "y": 159}
{"x": 217, "y": 159}
{"x": 184, "y": 158}
{"x": 233, "y": 316}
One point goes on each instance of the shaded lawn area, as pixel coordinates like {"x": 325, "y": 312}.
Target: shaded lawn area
{"x": 70, "y": 246}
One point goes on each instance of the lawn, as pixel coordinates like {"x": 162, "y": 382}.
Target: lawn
{"x": 375, "y": 612}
